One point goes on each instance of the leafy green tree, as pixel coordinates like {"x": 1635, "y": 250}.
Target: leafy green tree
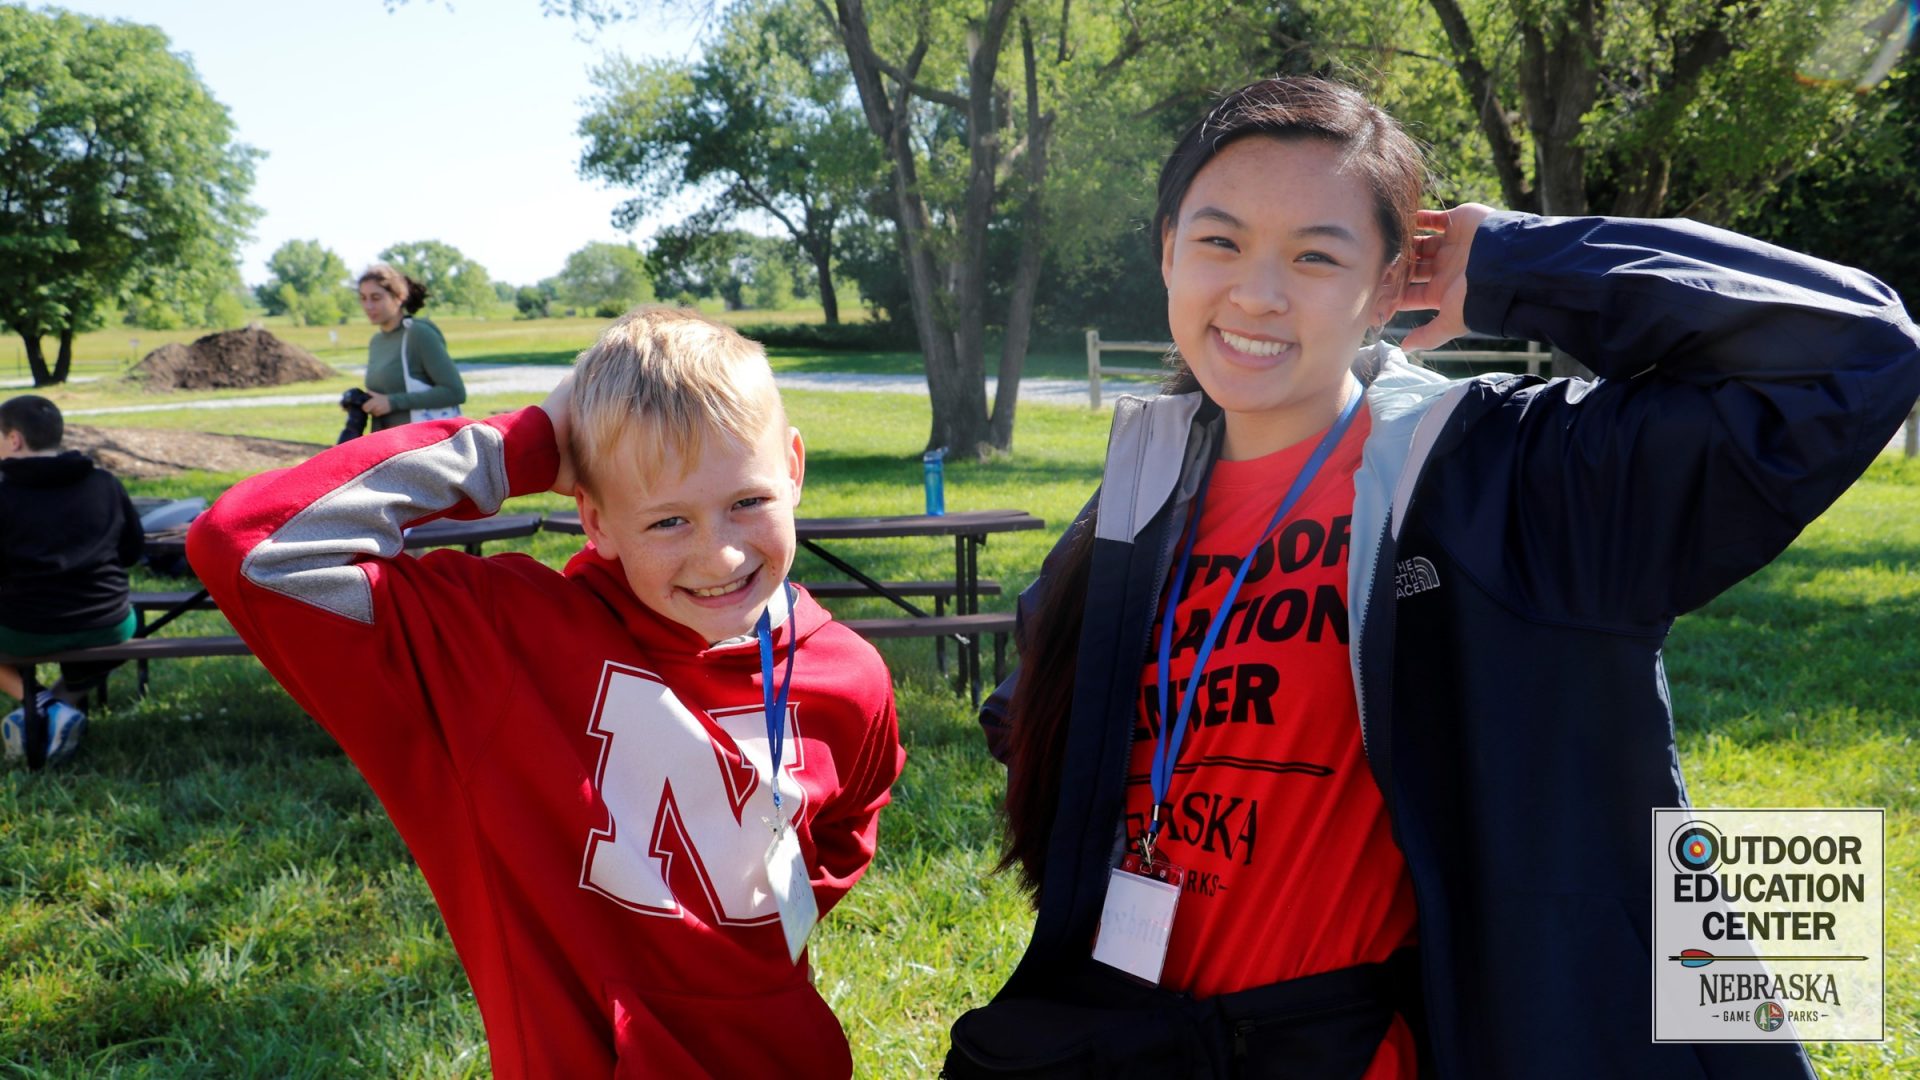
{"x": 762, "y": 122}
{"x": 973, "y": 101}
{"x": 1653, "y": 109}
{"x": 741, "y": 269}
{"x": 1603, "y": 104}
{"x": 452, "y": 279}
{"x": 1860, "y": 204}
{"x": 117, "y": 170}
{"x": 212, "y": 297}
{"x": 967, "y": 102}
{"x": 605, "y": 279}
{"x": 307, "y": 282}
{"x": 534, "y": 301}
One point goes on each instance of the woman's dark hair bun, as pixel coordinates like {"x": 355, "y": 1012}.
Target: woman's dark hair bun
{"x": 416, "y": 296}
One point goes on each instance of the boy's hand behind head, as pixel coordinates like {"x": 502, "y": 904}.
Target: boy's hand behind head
{"x": 559, "y": 409}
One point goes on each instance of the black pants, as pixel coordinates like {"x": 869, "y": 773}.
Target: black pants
{"x": 1094, "y": 1021}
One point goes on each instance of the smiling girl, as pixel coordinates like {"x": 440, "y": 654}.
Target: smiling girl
{"x": 1341, "y": 707}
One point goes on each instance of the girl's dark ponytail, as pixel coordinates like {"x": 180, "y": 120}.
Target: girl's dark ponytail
{"x": 1042, "y": 701}
{"x": 416, "y": 296}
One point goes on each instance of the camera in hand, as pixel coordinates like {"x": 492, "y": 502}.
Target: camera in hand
{"x": 354, "y": 400}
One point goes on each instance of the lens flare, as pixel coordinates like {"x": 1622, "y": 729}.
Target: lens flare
{"x": 1867, "y": 39}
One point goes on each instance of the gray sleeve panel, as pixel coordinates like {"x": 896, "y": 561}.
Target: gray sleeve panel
{"x": 313, "y": 557}
{"x": 1409, "y": 408}
{"x": 1145, "y": 456}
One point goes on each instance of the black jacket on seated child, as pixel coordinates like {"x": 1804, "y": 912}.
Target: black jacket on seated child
{"x": 67, "y": 534}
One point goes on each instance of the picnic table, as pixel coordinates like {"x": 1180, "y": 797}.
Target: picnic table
{"x": 469, "y": 535}
{"x": 445, "y": 532}
{"x": 967, "y": 625}
{"x": 969, "y": 529}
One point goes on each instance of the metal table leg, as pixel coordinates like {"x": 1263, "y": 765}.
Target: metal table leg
{"x": 37, "y": 726}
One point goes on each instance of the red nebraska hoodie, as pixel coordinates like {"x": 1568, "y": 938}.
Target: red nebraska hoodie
{"x": 583, "y": 783}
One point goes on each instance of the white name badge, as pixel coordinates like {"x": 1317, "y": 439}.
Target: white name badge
{"x": 1137, "y": 919}
{"x": 792, "y": 891}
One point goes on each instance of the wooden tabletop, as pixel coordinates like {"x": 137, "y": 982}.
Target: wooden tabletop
{"x": 442, "y": 533}
{"x": 445, "y": 533}
{"x": 958, "y": 523}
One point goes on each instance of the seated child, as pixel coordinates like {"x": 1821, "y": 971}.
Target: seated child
{"x": 581, "y": 760}
{"x": 68, "y": 532}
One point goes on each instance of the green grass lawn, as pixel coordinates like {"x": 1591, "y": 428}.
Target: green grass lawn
{"x": 211, "y": 891}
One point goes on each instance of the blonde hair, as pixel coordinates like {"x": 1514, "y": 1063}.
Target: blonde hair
{"x": 669, "y": 379}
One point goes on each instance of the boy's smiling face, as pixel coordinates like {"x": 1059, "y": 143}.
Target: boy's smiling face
{"x": 705, "y": 542}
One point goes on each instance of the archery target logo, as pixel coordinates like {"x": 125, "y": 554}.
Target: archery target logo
{"x": 1695, "y": 848}
{"x": 1768, "y": 924}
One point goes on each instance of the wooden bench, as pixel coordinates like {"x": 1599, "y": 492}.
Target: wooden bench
{"x": 172, "y": 605}
{"x": 941, "y": 591}
{"x": 146, "y": 603}
{"x": 999, "y": 624}
{"x": 140, "y": 650}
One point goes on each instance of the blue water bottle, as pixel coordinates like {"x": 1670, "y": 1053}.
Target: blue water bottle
{"x": 936, "y": 480}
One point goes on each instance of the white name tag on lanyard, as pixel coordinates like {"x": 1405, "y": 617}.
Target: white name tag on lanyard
{"x": 792, "y": 891}
{"x": 1137, "y": 919}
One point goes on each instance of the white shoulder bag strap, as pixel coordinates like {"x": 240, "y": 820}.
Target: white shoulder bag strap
{"x": 415, "y": 386}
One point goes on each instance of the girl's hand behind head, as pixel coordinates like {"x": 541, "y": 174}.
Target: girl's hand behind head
{"x": 1438, "y": 279}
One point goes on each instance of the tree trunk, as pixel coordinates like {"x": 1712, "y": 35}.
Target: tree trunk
{"x": 1559, "y": 82}
{"x": 37, "y": 360}
{"x": 955, "y": 387}
{"x": 1492, "y": 115}
{"x": 1644, "y": 190}
{"x": 959, "y": 410}
{"x": 64, "y": 363}
{"x": 823, "y": 277}
{"x": 984, "y": 124}
{"x": 1026, "y": 275}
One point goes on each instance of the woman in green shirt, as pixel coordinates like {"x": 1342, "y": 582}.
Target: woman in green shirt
{"x": 409, "y": 374}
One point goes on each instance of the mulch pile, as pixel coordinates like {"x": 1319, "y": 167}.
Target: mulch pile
{"x": 231, "y": 359}
{"x": 160, "y": 452}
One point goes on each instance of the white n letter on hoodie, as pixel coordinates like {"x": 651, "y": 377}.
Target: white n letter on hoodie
{"x": 673, "y": 791}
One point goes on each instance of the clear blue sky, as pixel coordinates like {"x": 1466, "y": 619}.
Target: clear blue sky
{"x": 429, "y": 122}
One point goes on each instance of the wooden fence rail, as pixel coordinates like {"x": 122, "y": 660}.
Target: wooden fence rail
{"x": 1534, "y": 357}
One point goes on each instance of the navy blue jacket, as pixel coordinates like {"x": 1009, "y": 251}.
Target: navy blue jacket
{"x": 1521, "y": 548}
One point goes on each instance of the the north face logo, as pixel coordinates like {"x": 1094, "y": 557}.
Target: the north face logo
{"x": 1415, "y": 575}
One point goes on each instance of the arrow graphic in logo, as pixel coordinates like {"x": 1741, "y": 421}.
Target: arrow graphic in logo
{"x": 1699, "y": 958}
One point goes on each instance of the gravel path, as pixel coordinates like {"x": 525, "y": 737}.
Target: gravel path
{"x": 540, "y": 378}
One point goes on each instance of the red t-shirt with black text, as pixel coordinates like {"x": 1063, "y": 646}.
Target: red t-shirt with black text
{"x": 1291, "y": 865}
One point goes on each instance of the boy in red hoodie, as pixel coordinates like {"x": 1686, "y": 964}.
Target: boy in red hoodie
{"x": 582, "y": 762}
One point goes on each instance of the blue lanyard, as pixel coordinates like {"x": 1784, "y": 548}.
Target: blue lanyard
{"x": 776, "y": 702}
{"x": 1173, "y": 732}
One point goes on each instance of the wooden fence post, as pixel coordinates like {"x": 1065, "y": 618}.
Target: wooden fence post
{"x": 1093, "y": 369}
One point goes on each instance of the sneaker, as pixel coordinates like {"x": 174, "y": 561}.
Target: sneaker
{"x": 65, "y": 725}
{"x": 13, "y": 734}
